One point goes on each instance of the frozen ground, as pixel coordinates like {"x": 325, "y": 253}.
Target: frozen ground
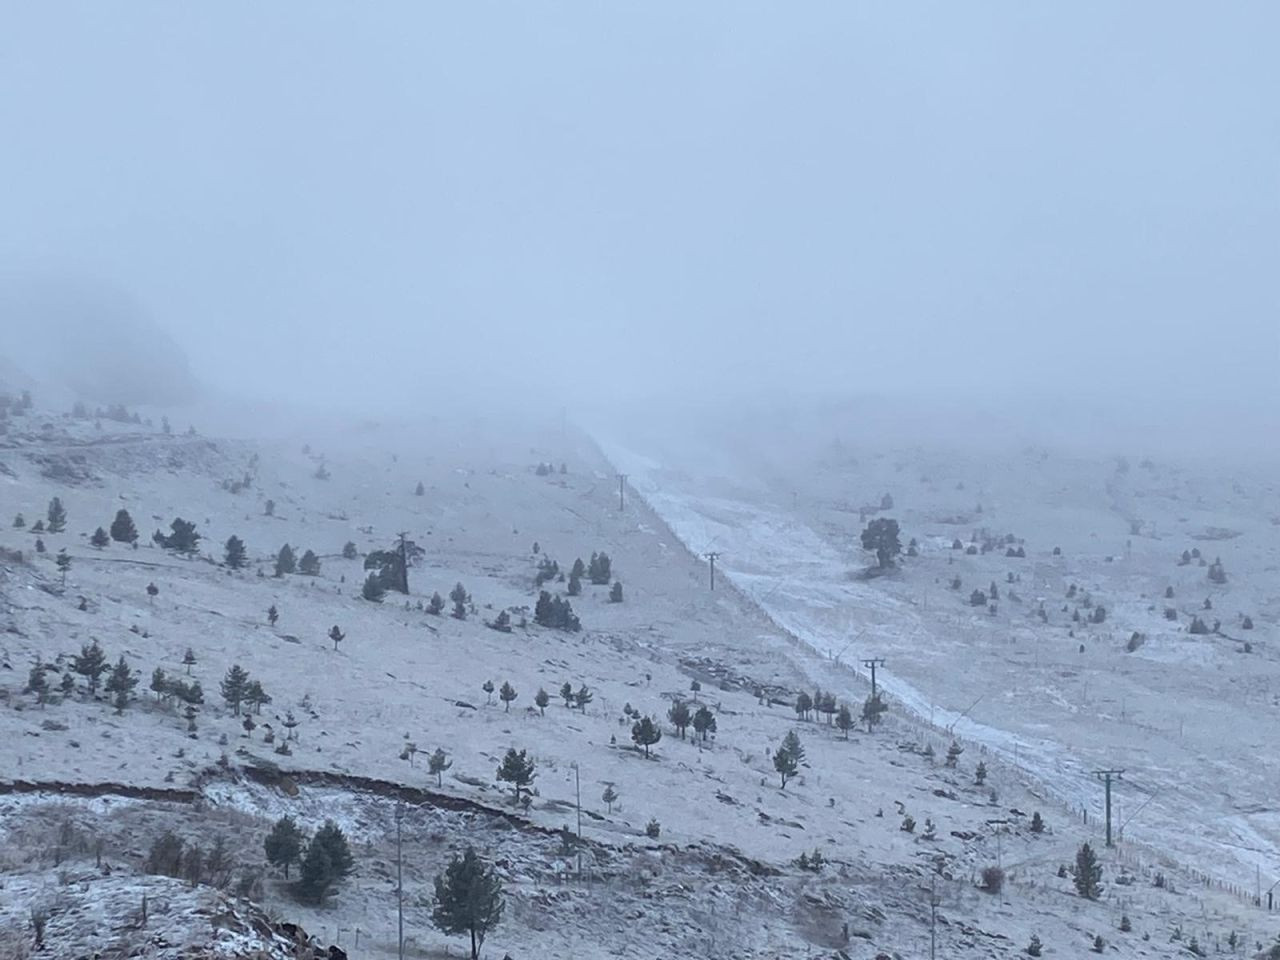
{"x": 720, "y": 881}
{"x": 1189, "y": 717}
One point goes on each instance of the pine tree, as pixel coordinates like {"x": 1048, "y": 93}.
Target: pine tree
{"x": 272, "y": 615}
{"x": 1034, "y": 947}
{"x": 283, "y": 844}
{"x": 373, "y": 590}
{"x": 645, "y": 733}
{"x": 183, "y": 537}
{"x": 159, "y": 683}
{"x": 188, "y": 660}
{"x": 680, "y": 716}
{"x": 844, "y": 720}
{"x": 309, "y": 565}
{"x": 91, "y": 663}
{"x": 507, "y": 694}
{"x": 583, "y": 697}
{"x": 953, "y": 753}
{"x": 68, "y": 684}
{"x": 881, "y": 537}
{"x": 419, "y": 490}
{"x": 100, "y": 538}
{"x": 19, "y": 521}
{"x": 328, "y": 860}
{"x": 38, "y": 682}
{"x": 517, "y": 769}
{"x": 63, "y": 561}
{"x": 600, "y": 570}
{"x": 337, "y": 636}
{"x": 704, "y": 722}
{"x": 57, "y": 516}
{"x": 1088, "y": 873}
{"x": 152, "y": 591}
{"x": 566, "y": 693}
{"x": 787, "y": 758}
{"x": 286, "y": 562}
{"x": 460, "y": 598}
{"x": 234, "y": 686}
{"x": 436, "y": 605}
{"x": 234, "y": 553}
{"x": 1037, "y": 823}
{"x": 980, "y": 774}
{"x": 255, "y": 696}
{"x": 541, "y": 699}
{"x": 575, "y": 586}
{"x": 615, "y": 592}
{"x": 488, "y": 689}
{"x": 121, "y": 684}
{"x": 610, "y": 796}
{"x": 123, "y": 529}
{"x": 438, "y": 763}
{"x": 349, "y": 551}
{"x": 804, "y": 703}
{"x": 468, "y": 899}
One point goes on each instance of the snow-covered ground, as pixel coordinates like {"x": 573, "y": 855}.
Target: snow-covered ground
{"x": 1187, "y": 716}
{"x": 720, "y": 881}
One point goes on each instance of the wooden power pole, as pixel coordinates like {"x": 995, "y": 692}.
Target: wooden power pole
{"x": 622, "y": 487}
{"x": 1106, "y": 777}
{"x": 873, "y": 662}
{"x": 713, "y": 557}
{"x": 404, "y": 564}
{"x": 399, "y": 885}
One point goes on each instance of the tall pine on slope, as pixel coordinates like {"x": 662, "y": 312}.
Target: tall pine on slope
{"x": 468, "y": 899}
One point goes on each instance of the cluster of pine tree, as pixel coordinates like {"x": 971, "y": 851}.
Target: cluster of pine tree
{"x": 183, "y": 537}
{"x": 556, "y": 613}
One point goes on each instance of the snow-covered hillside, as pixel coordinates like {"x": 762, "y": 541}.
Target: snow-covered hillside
{"x": 721, "y": 877}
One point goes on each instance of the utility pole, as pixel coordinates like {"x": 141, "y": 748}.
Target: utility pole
{"x": 713, "y": 557}
{"x": 873, "y": 662}
{"x": 933, "y": 918}
{"x": 399, "y": 885}
{"x": 404, "y": 564}
{"x": 577, "y": 790}
{"x": 622, "y": 486}
{"x": 1106, "y": 777}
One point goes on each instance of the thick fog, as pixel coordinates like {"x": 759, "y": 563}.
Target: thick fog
{"x": 592, "y": 202}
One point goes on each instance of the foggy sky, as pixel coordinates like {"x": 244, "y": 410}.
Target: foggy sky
{"x": 622, "y": 200}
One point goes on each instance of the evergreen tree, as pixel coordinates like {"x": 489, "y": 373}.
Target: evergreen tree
{"x": 234, "y": 686}
{"x": 980, "y": 774}
{"x": 680, "y": 716}
{"x": 159, "y": 683}
{"x": 1088, "y": 873}
{"x": 507, "y": 694}
{"x": 91, "y": 664}
{"x": 19, "y": 522}
{"x": 468, "y": 899}
{"x": 349, "y": 551}
{"x": 57, "y": 516}
{"x": 786, "y": 759}
{"x": 123, "y": 529}
{"x": 436, "y": 605}
{"x": 183, "y": 537}
{"x": 337, "y": 636}
{"x": 152, "y": 591}
{"x": 488, "y": 689}
{"x": 188, "y": 660}
{"x": 645, "y": 733}
{"x": 309, "y": 565}
{"x": 121, "y": 684}
{"x": 286, "y": 562}
{"x": 583, "y": 697}
{"x": 255, "y": 696}
{"x": 804, "y": 703}
{"x": 844, "y": 720}
{"x": 234, "y": 553}
{"x": 460, "y": 598}
{"x": 517, "y": 769}
{"x": 579, "y": 569}
{"x": 284, "y": 844}
{"x": 953, "y": 753}
{"x": 373, "y": 590}
{"x": 575, "y": 586}
{"x": 269, "y": 508}
{"x": 704, "y": 722}
{"x": 63, "y": 561}
{"x": 272, "y": 615}
{"x": 872, "y": 708}
{"x": 1037, "y": 823}
{"x": 100, "y": 538}
{"x": 610, "y": 796}
{"x": 38, "y": 682}
{"x": 600, "y": 569}
{"x": 68, "y": 684}
{"x": 328, "y": 860}
{"x": 419, "y": 490}
{"x": 566, "y": 692}
{"x": 541, "y": 699}
{"x": 881, "y": 537}
{"x": 615, "y": 592}
{"x": 438, "y": 763}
